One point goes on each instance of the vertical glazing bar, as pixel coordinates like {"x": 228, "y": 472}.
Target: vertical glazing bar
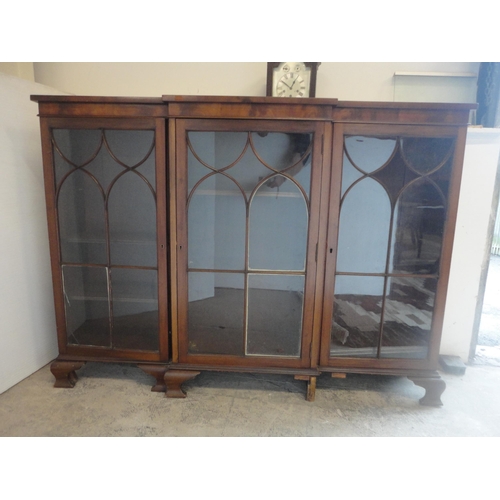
{"x": 108, "y": 255}
{"x": 387, "y": 263}
{"x": 245, "y": 282}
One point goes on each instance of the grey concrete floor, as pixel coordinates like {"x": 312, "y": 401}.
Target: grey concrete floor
{"x": 115, "y": 400}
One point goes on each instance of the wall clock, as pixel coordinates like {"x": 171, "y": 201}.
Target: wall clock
{"x": 292, "y": 79}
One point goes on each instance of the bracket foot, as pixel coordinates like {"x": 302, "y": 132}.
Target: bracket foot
{"x": 65, "y": 373}
{"x": 158, "y": 372}
{"x": 434, "y": 387}
{"x": 173, "y": 381}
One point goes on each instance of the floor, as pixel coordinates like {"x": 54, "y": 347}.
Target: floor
{"x": 115, "y": 400}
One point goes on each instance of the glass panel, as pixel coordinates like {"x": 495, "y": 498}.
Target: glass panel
{"x": 104, "y": 168}
{"x": 349, "y": 174}
{"x": 370, "y": 153}
{"x": 132, "y": 222}
{"x": 130, "y": 147}
{"x": 203, "y": 144}
{"x": 419, "y": 219}
{"x": 442, "y": 177}
{"x": 408, "y": 313}
{"x": 356, "y": 316}
{"x": 217, "y": 225}
{"x": 87, "y": 305}
{"x": 229, "y": 148}
{"x": 278, "y": 230}
{"x": 283, "y": 152}
{"x": 135, "y": 309}
{"x": 275, "y": 306}
{"x": 425, "y": 154}
{"x": 224, "y": 226}
{"x": 220, "y": 150}
{"x": 82, "y": 220}
{"x": 78, "y": 146}
{"x": 215, "y": 313}
{"x": 364, "y": 229}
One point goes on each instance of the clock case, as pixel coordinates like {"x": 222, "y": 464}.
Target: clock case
{"x": 271, "y": 66}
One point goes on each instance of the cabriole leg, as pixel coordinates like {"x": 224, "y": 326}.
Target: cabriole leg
{"x": 65, "y": 373}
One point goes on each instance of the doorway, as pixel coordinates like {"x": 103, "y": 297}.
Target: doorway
{"x": 487, "y": 349}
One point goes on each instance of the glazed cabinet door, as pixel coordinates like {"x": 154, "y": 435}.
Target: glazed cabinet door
{"x": 247, "y": 222}
{"x": 105, "y": 185}
{"x": 392, "y": 211}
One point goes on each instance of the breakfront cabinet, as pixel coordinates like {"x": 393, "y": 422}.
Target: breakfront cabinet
{"x": 271, "y": 235}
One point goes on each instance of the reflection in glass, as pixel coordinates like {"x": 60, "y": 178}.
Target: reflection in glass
{"x": 356, "y": 316}
{"x": 229, "y": 152}
{"x": 94, "y": 186}
{"x": 132, "y": 222}
{"x": 406, "y": 181}
{"x": 425, "y": 154}
{"x": 282, "y": 151}
{"x": 216, "y": 313}
{"x": 130, "y": 147}
{"x": 349, "y": 174}
{"x": 81, "y": 220}
{"x": 77, "y": 146}
{"x": 278, "y": 230}
{"x": 419, "y": 219}
{"x": 243, "y": 215}
{"x": 364, "y": 228}
{"x": 216, "y": 225}
{"x": 275, "y": 304}
{"x": 105, "y": 184}
{"x": 87, "y": 306}
{"x": 135, "y": 309}
{"x": 408, "y": 312}
{"x": 370, "y": 153}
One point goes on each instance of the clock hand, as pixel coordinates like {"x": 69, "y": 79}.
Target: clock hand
{"x": 287, "y": 85}
{"x": 295, "y": 80}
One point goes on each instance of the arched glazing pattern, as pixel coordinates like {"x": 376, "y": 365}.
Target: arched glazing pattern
{"x": 248, "y": 203}
{"x": 392, "y": 221}
{"x": 106, "y": 205}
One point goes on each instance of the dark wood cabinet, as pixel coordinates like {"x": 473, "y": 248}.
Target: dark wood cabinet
{"x": 251, "y": 234}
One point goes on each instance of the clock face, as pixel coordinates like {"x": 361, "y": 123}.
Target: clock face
{"x": 291, "y": 80}
{"x": 291, "y": 85}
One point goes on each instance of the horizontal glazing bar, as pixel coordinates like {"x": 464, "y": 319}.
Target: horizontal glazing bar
{"x": 251, "y": 271}
{"x": 391, "y": 275}
{"x": 105, "y": 266}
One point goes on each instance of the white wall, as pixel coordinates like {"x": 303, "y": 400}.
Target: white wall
{"x": 27, "y": 327}
{"x": 24, "y": 70}
{"x": 471, "y": 236}
{"x": 373, "y": 81}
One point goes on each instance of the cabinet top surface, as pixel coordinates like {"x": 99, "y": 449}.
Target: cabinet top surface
{"x": 195, "y": 99}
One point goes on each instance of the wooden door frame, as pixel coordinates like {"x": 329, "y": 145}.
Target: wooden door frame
{"x": 178, "y": 238}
